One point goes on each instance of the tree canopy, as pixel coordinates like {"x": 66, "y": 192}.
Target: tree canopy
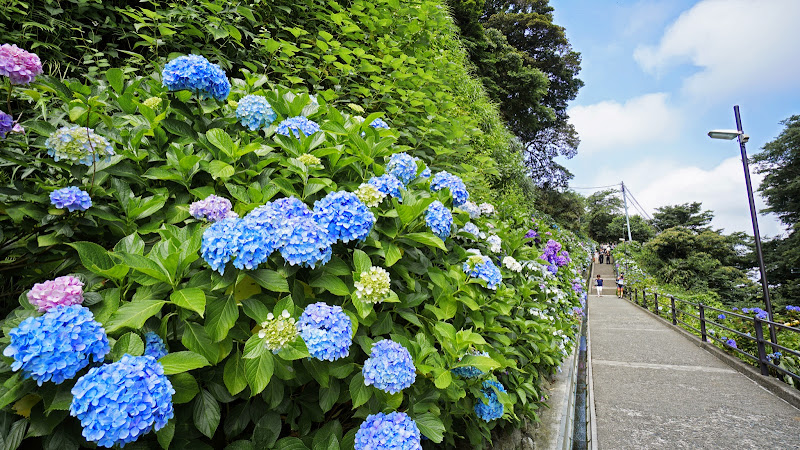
{"x": 688, "y": 215}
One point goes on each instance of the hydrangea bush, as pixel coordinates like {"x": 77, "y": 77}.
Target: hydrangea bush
{"x": 314, "y": 295}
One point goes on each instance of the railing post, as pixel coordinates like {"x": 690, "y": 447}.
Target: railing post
{"x": 762, "y": 353}
{"x": 703, "y": 322}
{"x": 655, "y": 303}
{"x": 672, "y": 305}
{"x": 636, "y": 296}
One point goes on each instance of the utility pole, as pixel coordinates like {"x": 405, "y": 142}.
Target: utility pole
{"x": 627, "y": 219}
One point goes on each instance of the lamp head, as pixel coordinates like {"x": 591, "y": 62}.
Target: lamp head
{"x": 724, "y": 134}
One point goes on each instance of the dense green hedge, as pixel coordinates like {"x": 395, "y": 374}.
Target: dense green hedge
{"x": 137, "y": 247}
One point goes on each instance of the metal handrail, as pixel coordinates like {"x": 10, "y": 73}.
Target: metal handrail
{"x": 764, "y": 363}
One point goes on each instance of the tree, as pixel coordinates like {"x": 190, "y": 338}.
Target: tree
{"x": 602, "y": 207}
{"x": 567, "y": 207}
{"x": 779, "y": 162}
{"x": 641, "y": 230}
{"x": 688, "y": 215}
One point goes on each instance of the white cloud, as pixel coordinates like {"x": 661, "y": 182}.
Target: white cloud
{"x": 720, "y": 189}
{"x": 736, "y": 44}
{"x": 610, "y": 125}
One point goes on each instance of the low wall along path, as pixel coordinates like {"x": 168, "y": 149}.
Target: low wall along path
{"x": 653, "y": 388}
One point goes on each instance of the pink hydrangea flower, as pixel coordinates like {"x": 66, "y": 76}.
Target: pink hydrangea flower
{"x": 19, "y": 65}
{"x": 65, "y": 291}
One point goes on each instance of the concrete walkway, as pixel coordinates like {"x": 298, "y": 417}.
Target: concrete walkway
{"x": 655, "y": 389}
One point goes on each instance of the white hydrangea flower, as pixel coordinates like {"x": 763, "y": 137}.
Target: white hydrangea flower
{"x": 472, "y": 209}
{"x": 486, "y": 209}
{"x": 512, "y": 264}
{"x": 374, "y": 285}
{"x": 369, "y": 195}
{"x": 309, "y": 159}
{"x": 494, "y": 242}
{"x": 278, "y": 331}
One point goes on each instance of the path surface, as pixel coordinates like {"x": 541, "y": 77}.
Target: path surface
{"x": 654, "y": 389}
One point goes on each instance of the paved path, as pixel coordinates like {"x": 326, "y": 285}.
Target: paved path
{"x": 653, "y": 389}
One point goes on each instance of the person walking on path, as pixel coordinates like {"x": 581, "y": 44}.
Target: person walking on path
{"x": 620, "y": 285}
{"x": 599, "y": 286}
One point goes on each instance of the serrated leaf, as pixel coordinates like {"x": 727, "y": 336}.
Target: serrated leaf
{"x": 193, "y": 299}
{"x": 258, "y": 372}
{"x": 234, "y": 374}
{"x": 428, "y": 239}
{"x": 430, "y": 426}
{"x": 359, "y": 392}
{"x": 443, "y": 380}
{"x": 270, "y": 280}
{"x": 206, "y": 413}
{"x": 133, "y": 315}
{"x": 332, "y": 284}
{"x": 185, "y": 388}
{"x": 222, "y": 315}
{"x": 222, "y": 140}
{"x": 129, "y": 343}
{"x": 179, "y": 362}
{"x": 361, "y": 262}
{"x": 392, "y": 255}
{"x": 165, "y": 434}
{"x": 220, "y": 169}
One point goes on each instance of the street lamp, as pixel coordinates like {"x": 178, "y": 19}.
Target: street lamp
{"x": 738, "y": 133}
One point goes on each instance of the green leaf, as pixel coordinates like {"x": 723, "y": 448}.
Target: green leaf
{"x": 270, "y": 280}
{"x": 234, "y": 374}
{"x": 359, "y": 392}
{"x": 193, "y": 299}
{"x": 144, "y": 265}
{"x": 332, "y": 284}
{"x": 206, "y": 413}
{"x": 392, "y": 255}
{"x": 179, "y": 362}
{"x": 185, "y": 388}
{"x": 483, "y": 363}
{"x": 219, "y": 169}
{"x": 222, "y": 315}
{"x": 179, "y": 128}
{"x": 129, "y": 343}
{"x": 96, "y": 259}
{"x": 133, "y": 315}
{"x": 116, "y": 79}
{"x": 222, "y": 140}
{"x": 428, "y": 239}
{"x": 290, "y": 443}
{"x": 196, "y": 339}
{"x": 430, "y": 426}
{"x": 361, "y": 262}
{"x": 166, "y": 434}
{"x": 255, "y": 309}
{"x": 443, "y": 380}
{"x": 328, "y": 396}
{"x": 258, "y": 372}
{"x": 267, "y": 430}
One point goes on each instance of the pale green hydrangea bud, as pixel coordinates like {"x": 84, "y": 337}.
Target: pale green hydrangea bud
{"x": 152, "y": 102}
{"x": 374, "y": 285}
{"x": 279, "y": 331}
{"x": 475, "y": 259}
{"x": 233, "y": 103}
{"x": 308, "y": 159}
{"x": 369, "y": 195}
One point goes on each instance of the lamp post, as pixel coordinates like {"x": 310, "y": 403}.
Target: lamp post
{"x": 743, "y": 138}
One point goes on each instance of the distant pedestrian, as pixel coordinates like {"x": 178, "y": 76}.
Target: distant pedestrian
{"x": 599, "y": 286}
{"x": 620, "y": 285}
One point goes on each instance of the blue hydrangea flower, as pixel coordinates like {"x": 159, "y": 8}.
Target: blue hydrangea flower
{"x": 326, "y": 330}
{"x": 217, "y": 247}
{"x": 78, "y": 144}
{"x": 294, "y": 126}
{"x": 154, "y": 345}
{"x": 731, "y": 343}
{"x": 472, "y": 229}
{"x": 344, "y": 216}
{"x": 303, "y": 242}
{"x": 458, "y": 189}
{"x": 72, "y": 198}
{"x": 484, "y": 269}
{"x": 389, "y": 367}
{"x": 379, "y": 123}
{"x": 119, "y": 402}
{"x": 470, "y": 371}
{"x": 403, "y": 166}
{"x": 252, "y": 244}
{"x": 426, "y": 173}
{"x": 195, "y": 73}
{"x": 6, "y": 124}
{"x": 393, "y": 431}
{"x": 493, "y": 409}
{"x": 55, "y": 346}
{"x": 721, "y": 317}
{"x": 439, "y": 219}
{"x": 388, "y": 184}
{"x": 472, "y": 209}
{"x": 254, "y": 112}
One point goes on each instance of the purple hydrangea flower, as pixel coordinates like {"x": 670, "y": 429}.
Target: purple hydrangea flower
{"x": 197, "y": 74}
{"x": 20, "y": 66}
{"x": 71, "y": 198}
{"x": 458, "y": 190}
{"x": 393, "y": 431}
{"x": 6, "y": 124}
{"x": 344, "y": 216}
{"x": 211, "y": 208}
{"x": 389, "y": 367}
{"x": 326, "y": 330}
{"x": 295, "y": 126}
{"x": 63, "y": 291}
{"x": 55, "y": 346}
{"x": 119, "y": 402}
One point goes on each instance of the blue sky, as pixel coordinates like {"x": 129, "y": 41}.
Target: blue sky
{"x": 659, "y": 75}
